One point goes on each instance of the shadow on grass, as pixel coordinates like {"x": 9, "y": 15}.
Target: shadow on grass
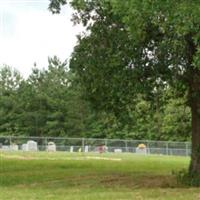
{"x": 129, "y": 181}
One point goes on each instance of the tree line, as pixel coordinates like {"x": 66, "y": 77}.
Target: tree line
{"x": 53, "y": 102}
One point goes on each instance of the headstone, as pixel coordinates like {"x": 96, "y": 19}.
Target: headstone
{"x": 14, "y": 147}
{"x": 6, "y": 148}
{"x": 101, "y": 149}
{"x": 51, "y": 147}
{"x": 32, "y": 145}
{"x": 71, "y": 149}
{"x": 86, "y": 149}
{"x": 118, "y": 151}
{"x": 24, "y": 147}
{"x": 105, "y": 149}
{"x": 141, "y": 149}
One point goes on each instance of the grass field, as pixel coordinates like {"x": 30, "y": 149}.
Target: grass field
{"x": 65, "y": 176}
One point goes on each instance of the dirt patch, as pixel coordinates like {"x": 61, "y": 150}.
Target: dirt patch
{"x": 102, "y": 158}
{"x": 20, "y": 157}
{"x": 157, "y": 181}
{"x": 140, "y": 182}
{"x": 117, "y": 180}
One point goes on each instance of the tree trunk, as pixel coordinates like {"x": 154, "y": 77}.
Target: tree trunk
{"x": 195, "y": 109}
{"x": 195, "y": 157}
{"x": 194, "y": 99}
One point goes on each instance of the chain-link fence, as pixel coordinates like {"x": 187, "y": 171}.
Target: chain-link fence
{"x": 14, "y": 143}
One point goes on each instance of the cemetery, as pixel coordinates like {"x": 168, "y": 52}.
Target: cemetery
{"x": 133, "y": 168}
{"x": 99, "y": 100}
{"x": 94, "y": 145}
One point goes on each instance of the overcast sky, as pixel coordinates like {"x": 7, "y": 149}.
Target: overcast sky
{"x": 30, "y": 33}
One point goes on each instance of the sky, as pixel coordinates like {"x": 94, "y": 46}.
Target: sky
{"x": 29, "y": 33}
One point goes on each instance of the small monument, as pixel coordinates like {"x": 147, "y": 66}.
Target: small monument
{"x": 51, "y": 147}
{"x": 24, "y": 147}
{"x": 5, "y": 147}
{"x": 141, "y": 149}
{"x": 71, "y": 149}
{"x": 86, "y": 149}
{"x": 102, "y": 148}
{"x": 118, "y": 151}
{"x": 14, "y": 147}
{"x": 32, "y": 145}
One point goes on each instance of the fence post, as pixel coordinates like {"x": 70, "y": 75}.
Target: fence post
{"x": 83, "y": 144}
{"x": 106, "y": 142}
{"x": 167, "y": 148}
{"x": 45, "y": 143}
{"x": 147, "y": 146}
{"x": 186, "y": 149}
{"x": 10, "y": 140}
{"x": 126, "y": 145}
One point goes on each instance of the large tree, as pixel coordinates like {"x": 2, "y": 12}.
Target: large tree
{"x": 135, "y": 46}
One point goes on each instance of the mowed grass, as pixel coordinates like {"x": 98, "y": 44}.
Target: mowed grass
{"x": 75, "y": 176}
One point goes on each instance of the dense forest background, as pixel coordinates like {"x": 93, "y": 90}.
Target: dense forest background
{"x": 52, "y": 102}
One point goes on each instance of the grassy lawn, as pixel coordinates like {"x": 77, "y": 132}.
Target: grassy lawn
{"x": 65, "y": 176}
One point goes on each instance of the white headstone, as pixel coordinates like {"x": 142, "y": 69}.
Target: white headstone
{"x": 86, "y": 149}
{"x": 118, "y": 151}
{"x": 51, "y": 147}
{"x": 141, "y": 150}
{"x": 24, "y": 147}
{"x": 5, "y": 147}
{"x": 32, "y": 145}
{"x": 71, "y": 149}
{"x": 14, "y": 147}
{"x": 105, "y": 149}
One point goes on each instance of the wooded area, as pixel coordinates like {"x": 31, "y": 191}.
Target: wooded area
{"x": 52, "y": 102}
